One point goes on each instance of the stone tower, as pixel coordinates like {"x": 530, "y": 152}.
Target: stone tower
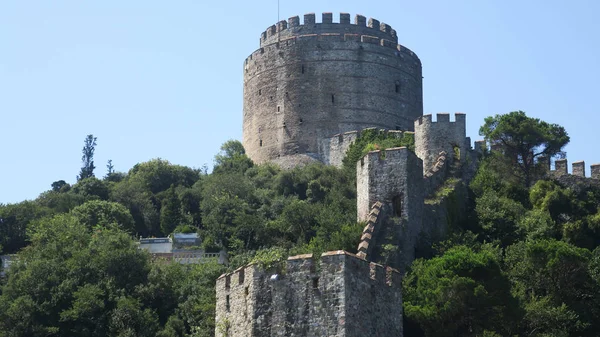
{"x": 313, "y": 80}
{"x": 342, "y": 295}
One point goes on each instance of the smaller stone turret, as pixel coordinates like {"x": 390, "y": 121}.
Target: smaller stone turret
{"x": 432, "y": 138}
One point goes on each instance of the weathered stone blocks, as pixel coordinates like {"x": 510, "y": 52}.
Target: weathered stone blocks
{"x": 313, "y": 80}
{"x": 334, "y": 298}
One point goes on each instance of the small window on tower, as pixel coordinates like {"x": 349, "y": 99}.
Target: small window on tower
{"x": 332, "y": 98}
{"x": 259, "y": 92}
{"x": 302, "y": 69}
{"x": 397, "y": 87}
{"x": 260, "y": 143}
{"x": 278, "y": 108}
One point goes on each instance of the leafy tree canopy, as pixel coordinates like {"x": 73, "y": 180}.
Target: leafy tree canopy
{"x": 524, "y": 140}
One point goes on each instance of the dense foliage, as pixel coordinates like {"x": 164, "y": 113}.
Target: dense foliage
{"x": 526, "y": 261}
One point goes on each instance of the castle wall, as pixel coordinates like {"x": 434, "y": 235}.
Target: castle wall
{"x": 333, "y": 149}
{"x": 344, "y": 297}
{"x": 578, "y": 169}
{"x": 310, "y": 81}
{"x": 431, "y": 138}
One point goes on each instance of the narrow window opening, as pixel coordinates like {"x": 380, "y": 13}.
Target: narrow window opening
{"x": 260, "y": 143}
{"x": 259, "y": 92}
{"x": 242, "y": 276}
{"x": 246, "y": 291}
{"x": 278, "y": 108}
{"x": 315, "y": 283}
{"x": 227, "y": 307}
{"x": 397, "y": 87}
{"x": 300, "y": 120}
{"x": 332, "y": 98}
{"x": 302, "y": 69}
{"x": 397, "y": 202}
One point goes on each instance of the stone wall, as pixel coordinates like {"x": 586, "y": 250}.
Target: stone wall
{"x": 344, "y": 296}
{"x": 431, "y": 138}
{"x": 333, "y": 149}
{"x": 578, "y": 169}
{"x": 388, "y": 174}
{"x": 310, "y": 81}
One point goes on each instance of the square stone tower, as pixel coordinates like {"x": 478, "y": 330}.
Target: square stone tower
{"x": 344, "y": 296}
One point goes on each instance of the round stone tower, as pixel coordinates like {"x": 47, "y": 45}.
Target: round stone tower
{"x": 310, "y": 81}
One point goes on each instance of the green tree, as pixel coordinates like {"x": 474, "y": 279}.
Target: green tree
{"x": 60, "y": 186}
{"x": 73, "y": 280}
{"x": 524, "y": 141}
{"x": 87, "y": 170}
{"x": 14, "y": 222}
{"x": 158, "y": 175}
{"x": 232, "y": 158}
{"x": 170, "y": 213}
{"x": 499, "y": 218}
{"x": 461, "y": 293}
{"x": 91, "y": 188}
{"x": 553, "y": 281}
{"x": 104, "y": 213}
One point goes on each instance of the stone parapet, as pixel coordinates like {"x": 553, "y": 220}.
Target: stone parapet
{"x": 442, "y": 135}
{"x": 303, "y": 299}
{"x": 292, "y": 27}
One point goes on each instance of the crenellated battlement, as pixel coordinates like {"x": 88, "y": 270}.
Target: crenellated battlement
{"x": 252, "y": 301}
{"x": 577, "y": 169}
{"x": 441, "y": 135}
{"x": 319, "y": 37}
{"x": 361, "y": 26}
{"x": 459, "y": 118}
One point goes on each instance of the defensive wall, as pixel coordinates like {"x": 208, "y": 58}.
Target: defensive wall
{"x": 343, "y": 295}
{"x": 311, "y": 80}
{"x": 578, "y": 169}
{"x": 333, "y": 149}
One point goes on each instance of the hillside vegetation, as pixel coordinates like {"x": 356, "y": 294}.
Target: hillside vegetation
{"x": 525, "y": 263}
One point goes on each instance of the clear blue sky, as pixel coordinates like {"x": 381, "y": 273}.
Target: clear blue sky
{"x": 164, "y": 78}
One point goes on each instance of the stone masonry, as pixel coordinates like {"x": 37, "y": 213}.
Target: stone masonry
{"x": 343, "y": 296}
{"x": 312, "y": 80}
{"x": 578, "y": 169}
